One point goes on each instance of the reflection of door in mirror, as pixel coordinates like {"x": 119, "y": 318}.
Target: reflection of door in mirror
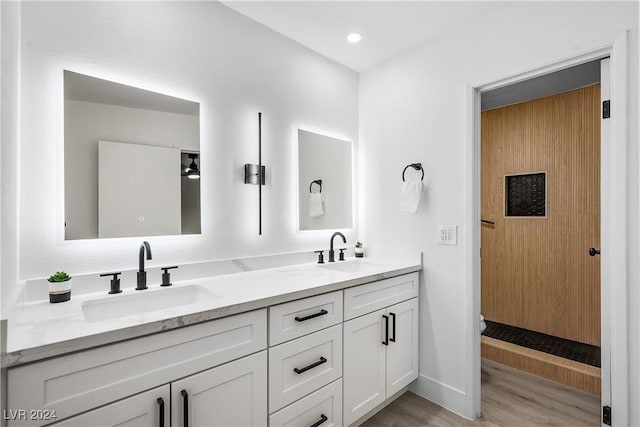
{"x": 100, "y": 110}
{"x": 126, "y": 172}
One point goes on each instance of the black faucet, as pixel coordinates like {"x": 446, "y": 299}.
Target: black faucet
{"x": 331, "y": 251}
{"x": 142, "y": 275}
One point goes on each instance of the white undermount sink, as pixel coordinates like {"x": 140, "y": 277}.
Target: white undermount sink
{"x": 354, "y": 266}
{"x": 121, "y": 305}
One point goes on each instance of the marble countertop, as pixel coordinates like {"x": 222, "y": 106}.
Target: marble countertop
{"x": 40, "y": 330}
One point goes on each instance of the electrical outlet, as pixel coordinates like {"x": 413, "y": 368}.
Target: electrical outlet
{"x": 448, "y": 235}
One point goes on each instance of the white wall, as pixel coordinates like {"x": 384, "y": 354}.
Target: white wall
{"x": 414, "y": 109}
{"x": 9, "y": 91}
{"x": 201, "y": 51}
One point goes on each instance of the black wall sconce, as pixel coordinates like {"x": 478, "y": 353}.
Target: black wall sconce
{"x": 255, "y": 174}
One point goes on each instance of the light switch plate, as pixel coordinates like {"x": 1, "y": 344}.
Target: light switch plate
{"x": 448, "y": 235}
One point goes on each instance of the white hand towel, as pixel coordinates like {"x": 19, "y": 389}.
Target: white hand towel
{"x": 315, "y": 205}
{"x": 410, "y": 196}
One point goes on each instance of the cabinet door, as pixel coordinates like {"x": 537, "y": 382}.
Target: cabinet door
{"x": 402, "y": 353}
{"x": 364, "y": 365}
{"x": 148, "y": 409}
{"x": 234, "y": 394}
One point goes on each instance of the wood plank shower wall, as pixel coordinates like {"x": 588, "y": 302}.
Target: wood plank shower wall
{"x": 536, "y": 272}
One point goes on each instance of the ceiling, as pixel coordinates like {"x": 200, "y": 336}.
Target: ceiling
{"x": 388, "y": 28}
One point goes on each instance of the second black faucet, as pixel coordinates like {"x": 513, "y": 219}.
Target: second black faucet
{"x": 142, "y": 275}
{"x": 332, "y": 257}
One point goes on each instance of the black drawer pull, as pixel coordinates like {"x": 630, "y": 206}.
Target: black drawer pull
{"x": 386, "y": 330}
{"x": 322, "y": 419}
{"x": 311, "y": 316}
{"x": 161, "y": 405}
{"x": 185, "y": 408}
{"x": 393, "y": 328}
{"x": 313, "y": 365}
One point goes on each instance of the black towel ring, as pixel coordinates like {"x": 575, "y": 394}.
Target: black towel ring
{"x": 317, "y": 181}
{"x": 416, "y": 166}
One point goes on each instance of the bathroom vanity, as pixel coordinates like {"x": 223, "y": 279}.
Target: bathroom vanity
{"x": 299, "y": 345}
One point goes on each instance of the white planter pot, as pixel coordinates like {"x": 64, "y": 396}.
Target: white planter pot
{"x": 359, "y": 252}
{"x": 60, "y": 291}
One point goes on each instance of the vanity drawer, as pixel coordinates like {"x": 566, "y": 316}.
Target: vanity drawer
{"x": 297, "y": 318}
{"x": 323, "y": 405}
{"x": 364, "y": 299}
{"x": 301, "y": 366}
{"x": 75, "y": 383}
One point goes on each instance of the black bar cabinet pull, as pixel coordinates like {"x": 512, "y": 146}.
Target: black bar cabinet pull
{"x": 322, "y": 419}
{"x": 311, "y": 316}
{"x": 185, "y": 408}
{"x": 313, "y": 365}
{"x": 393, "y": 329}
{"x": 161, "y": 405}
{"x": 386, "y": 330}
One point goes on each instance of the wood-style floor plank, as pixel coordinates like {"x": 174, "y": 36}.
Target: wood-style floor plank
{"x": 509, "y": 398}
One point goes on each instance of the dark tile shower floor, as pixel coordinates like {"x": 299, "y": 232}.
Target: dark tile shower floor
{"x": 583, "y": 353}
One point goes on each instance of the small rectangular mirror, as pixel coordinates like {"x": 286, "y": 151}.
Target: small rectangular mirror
{"x": 132, "y": 161}
{"x": 324, "y": 182}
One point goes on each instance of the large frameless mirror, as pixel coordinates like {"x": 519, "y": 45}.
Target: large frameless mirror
{"x": 324, "y": 182}
{"x": 131, "y": 161}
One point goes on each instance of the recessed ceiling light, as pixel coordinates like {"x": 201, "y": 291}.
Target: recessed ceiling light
{"x": 354, "y": 37}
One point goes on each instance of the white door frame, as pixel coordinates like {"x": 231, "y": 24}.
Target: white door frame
{"x": 613, "y": 230}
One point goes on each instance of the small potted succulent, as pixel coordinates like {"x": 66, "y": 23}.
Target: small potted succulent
{"x": 59, "y": 287}
{"x": 359, "y": 250}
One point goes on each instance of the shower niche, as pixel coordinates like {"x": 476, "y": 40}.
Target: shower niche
{"x": 526, "y": 195}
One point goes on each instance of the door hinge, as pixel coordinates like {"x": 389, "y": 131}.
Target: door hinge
{"x": 606, "y": 109}
{"x": 606, "y": 415}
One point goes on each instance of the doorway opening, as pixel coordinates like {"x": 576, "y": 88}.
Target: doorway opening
{"x": 613, "y": 227}
{"x": 540, "y": 184}
{"x": 540, "y": 210}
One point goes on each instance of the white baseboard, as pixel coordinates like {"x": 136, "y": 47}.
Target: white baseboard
{"x": 441, "y": 394}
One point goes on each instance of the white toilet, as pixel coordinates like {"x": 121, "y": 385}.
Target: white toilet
{"x": 483, "y": 325}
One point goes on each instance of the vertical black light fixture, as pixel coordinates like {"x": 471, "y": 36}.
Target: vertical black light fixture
{"x": 255, "y": 174}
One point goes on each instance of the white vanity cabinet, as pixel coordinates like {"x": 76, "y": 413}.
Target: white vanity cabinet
{"x": 325, "y": 360}
{"x": 233, "y": 394}
{"x": 381, "y": 347}
{"x": 79, "y": 382}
